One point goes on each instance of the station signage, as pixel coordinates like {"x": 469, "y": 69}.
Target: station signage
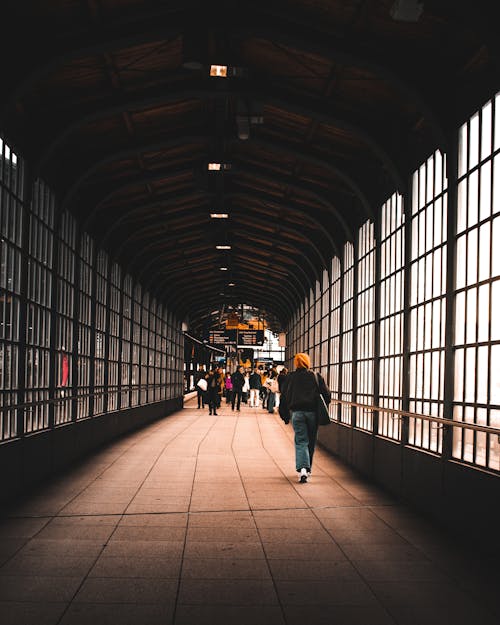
{"x": 245, "y": 338}
{"x": 223, "y": 337}
{"x": 250, "y": 337}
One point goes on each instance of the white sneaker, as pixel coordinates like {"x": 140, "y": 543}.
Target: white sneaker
{"x": 303, "y": 476}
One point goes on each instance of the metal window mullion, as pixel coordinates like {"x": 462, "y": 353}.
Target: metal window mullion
{"x": 120, "y": 340}
{"x": 451, "y": 261}
{"x": 106, "y": 336}
{"x": 376, "y": 337}
{"x": 407, "y": 309}
{"x": 354, "y": 354}
{"x": 23, "y": 297}
{"x": 75, "y": 321}
{"x": 93, "y": 309}
{"x": 340, "y": 335}
{"x": 56, "y": 244}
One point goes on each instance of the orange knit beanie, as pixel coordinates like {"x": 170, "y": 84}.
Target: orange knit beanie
{"x": 302, "y": 361}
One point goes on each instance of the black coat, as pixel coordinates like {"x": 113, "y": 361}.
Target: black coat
{"x": 238, "y": 380}
{"x": 301, "y": 390}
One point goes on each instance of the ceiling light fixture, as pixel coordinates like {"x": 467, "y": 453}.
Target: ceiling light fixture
{"x": 223, "y": 268}
{"x": 222, "y": 247}
{"x": 219, "y": 215}
{"x": 218, "y": 70}
{"x": 231, "y": 284}
{"x": 218, "y": 166}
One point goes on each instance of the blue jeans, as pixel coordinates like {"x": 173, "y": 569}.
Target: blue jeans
{"x": 271, "y": 402}
{"x": 305, "y": 425}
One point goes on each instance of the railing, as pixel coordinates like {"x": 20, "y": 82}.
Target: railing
{"x": 440, "y": 421}
{"x": 80, "y": 396}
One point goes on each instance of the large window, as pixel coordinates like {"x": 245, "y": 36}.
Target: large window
{"x": 477, "y": 301}
{"x": 65, "y": 309}
{"x": 114, "y": 337}
{"x": 101, "y": 316}
{"x": 427, "y": 300}
{"x": 38, "y": 318}
{"x": 85, "y": 326}
{"x": 11, "y": 236}
{"x": 392, "y": 258}
{"x": 347, "y": 331}
{"x": 365, "y": 327}
{"x": 335, "y": 328}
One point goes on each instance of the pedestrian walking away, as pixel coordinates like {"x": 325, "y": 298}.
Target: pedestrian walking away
{"x": 238, "y": 381}
{"x": 200, "y": 393}
{"x": 255, "y": 385}
{"x": 301, "y": 395}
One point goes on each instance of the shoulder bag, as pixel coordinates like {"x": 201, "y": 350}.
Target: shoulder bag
{"x": 321, "y": 408}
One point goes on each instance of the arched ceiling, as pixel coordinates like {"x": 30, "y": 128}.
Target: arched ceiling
{"x": 330, "y": 108}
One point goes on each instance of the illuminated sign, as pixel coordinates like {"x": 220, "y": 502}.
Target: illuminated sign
{"x": 250, "y": 337}
{"x": 222, "y": 337}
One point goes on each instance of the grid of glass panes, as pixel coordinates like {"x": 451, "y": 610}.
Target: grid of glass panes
{"x": 325, "y": 325}
{"x": 65, "y": 276}
{"x": 427, "y": 300}
{"x": 126, "y": 342}
{"x": 114, "y": 336}
{"x": 136, "y": 345}
{"x": 477, "y": 301}
{"x": 85, "y": 333}
{"x": 152, "y": 350}
{"x": 315, "y": 333}
{"x": 179, "y": 358}
{"x": 158, "y": 364}
{"x": 335, "y": 311}
{"x": 39, "y": 304}
{"x": 365, "y": 329}
{"x": 11, "y": 234}
{"x": 144, "y": 348}
{"x": 347, "y": 332}
{"x": 392, "y": 259}
{"x": 163, "y": 353}
{"x": 101, "y": 315}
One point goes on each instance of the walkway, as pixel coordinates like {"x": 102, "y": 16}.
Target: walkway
{"x": 199, "y": 520}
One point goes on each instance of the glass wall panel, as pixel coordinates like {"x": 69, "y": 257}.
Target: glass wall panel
{"x": 365, "y": 327}
{"x": 39, "y": 296}
{"x": 427, "y": 300}
{"x": 11, "y": 236}
{"x": 335, "y": 331}
{"x": 347, "y": 331}
{"x": 392, "y": 257}
{"x": 477, "y": 295}
{"x": 84, "y": 325}
{"x": 65, "y": 276}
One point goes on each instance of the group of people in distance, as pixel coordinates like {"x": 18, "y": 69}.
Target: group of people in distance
{"x": 299, "y": 392}
{"x": 256, "y": 388}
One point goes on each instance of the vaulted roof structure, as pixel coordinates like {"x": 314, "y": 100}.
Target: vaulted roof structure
{"x": 326, "y": 109}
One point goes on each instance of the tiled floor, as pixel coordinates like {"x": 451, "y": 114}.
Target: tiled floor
{"x": 199, "y": 520}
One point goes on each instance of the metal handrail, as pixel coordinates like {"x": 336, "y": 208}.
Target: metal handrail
{"x": 79, "y": 396}
{"x": 488, "y": 429}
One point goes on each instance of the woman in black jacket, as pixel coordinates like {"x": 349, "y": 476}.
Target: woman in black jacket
{"x": 301, "y": 395}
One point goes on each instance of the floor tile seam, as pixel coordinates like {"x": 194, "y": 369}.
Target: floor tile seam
{"x": 280, "y": 603}
{"x": 133, "y": 443}
{"x": 86, "y": 577}
{"x": 361, "y": 576}
{"x": 426, "y": 556}
{"x": 214, "y": 422}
